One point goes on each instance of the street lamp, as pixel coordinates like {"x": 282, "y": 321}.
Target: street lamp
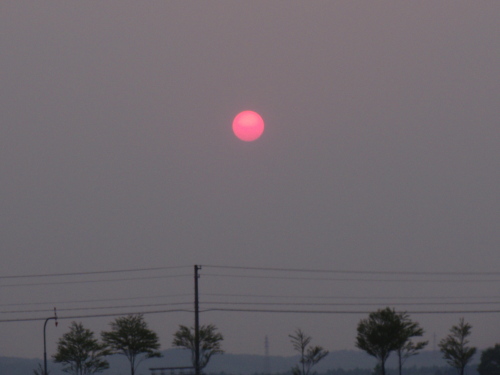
{"x": 45, "y": 343}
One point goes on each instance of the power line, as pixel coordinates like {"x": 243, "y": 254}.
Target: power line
{"x": 346, "y": 297}
{"x": 93, "y": 300}
{"x": 241, "y": 303}
{"x": 351, "y": 304}
{"x": 496, "y": 273}
{"x": 273, "y": 296}
{"x": 285, "y": 311}
{"x": 349, "y": 279}
{"x": 95, "y": 308}
{"x": 403, "y": 298}
{"x": 96, "y": 315}
{"x": 92, "y": 272}
{"x": 92, "y": 281}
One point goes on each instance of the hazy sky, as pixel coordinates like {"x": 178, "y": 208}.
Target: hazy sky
{"x": 381, "y": 154}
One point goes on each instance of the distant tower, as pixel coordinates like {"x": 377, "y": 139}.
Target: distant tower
{"x": 267, "y": 363}
{"x": 434, "y": 342}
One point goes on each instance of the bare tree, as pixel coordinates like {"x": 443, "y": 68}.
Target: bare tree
{"x": 309, "y": 356}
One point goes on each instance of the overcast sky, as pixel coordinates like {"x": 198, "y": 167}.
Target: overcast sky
{"x": 381, "y": 153}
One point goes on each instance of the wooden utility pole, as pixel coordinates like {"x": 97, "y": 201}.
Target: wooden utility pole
{"x": 196, "y": 322}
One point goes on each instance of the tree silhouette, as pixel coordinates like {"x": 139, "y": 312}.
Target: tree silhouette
{"x": 454, "y": 346}
{"x": 40, "y": 370}
{"x": 406, "y": 347}
{"x": 210, "y": 342}
{"x": 490, "y": 361}
{"x": 131, "y": 337}
{"x": 80, "y": 352}
{"x": 380, "y": 334}
{"x": 309, "y": 356}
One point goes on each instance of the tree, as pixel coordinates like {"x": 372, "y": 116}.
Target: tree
{"x": 40, "y": 370}
{"x": 80, "y": 352}
{"x": 380, "y": 334}
{"x": 454, "y": 346}
{"x": 210, "y": 342}
{"x": 406, "y": 347}
{"x": 376, "y": 369}
{"x": 131, "y": 337}
{"x": 490, "y": 361}
{"x": 309, "y": 356}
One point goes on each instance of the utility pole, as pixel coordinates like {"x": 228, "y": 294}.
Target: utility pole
{"x": 45, "y": 342}
{"x": 267, "y": 367}
{"x": 196, "y": 322}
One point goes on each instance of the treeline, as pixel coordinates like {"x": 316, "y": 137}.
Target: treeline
{"x": 382, "y": 333}
{"x": 414, "y": 370}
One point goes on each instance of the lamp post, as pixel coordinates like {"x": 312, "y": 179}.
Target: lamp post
{"x": 45, "y": 342}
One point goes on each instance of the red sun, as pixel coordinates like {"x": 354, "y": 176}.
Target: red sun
{"x": 248, "y": 126}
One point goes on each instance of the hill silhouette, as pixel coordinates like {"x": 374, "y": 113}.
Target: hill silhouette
{"x": 243, "y": 364}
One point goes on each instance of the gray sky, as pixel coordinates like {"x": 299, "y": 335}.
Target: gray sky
{"x": 381, "y": 153}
